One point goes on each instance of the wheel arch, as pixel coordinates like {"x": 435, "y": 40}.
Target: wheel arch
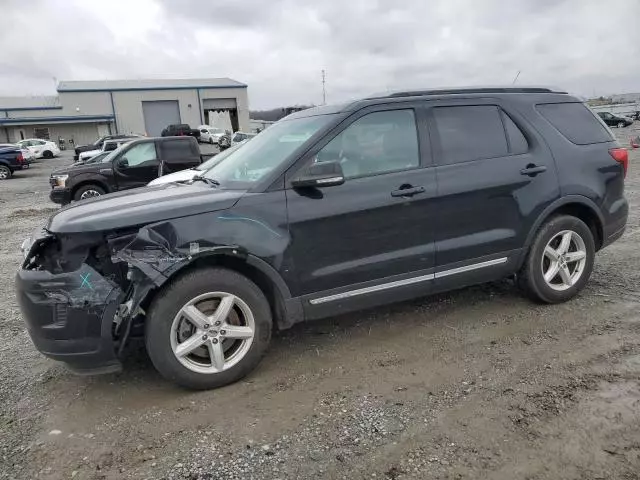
{"x": 82, "y": 183}
{"x": 577, "y": 206}
{"x": 285, "y": 310}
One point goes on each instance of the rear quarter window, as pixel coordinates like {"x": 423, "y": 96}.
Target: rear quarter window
{"x": 575, "y": 122}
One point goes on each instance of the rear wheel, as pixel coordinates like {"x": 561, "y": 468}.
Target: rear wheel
{"x": 47, "y": 154}
{"x": 211, "y": 140}
{"x": 88, "y": 191}
{"x": 620, "y": 124}
{"x": 559, "y": 262}
{"x": 5, "y": 172}
{"x": 209, "y": 328}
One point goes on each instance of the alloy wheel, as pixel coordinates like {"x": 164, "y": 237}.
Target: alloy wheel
{"x": 89, "y": 194}
{"x": 4, "y": 173}
{"x": 212, "y": 332}
{"x": 563, "y": 260}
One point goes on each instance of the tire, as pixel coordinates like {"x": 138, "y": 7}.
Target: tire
{"x": 531, "y": 277}
{"x": 165, "y": 323}
{"x": 47, "y": 154}
{"x": 88, "y": 191}
{"x": 211, "y": 140}
{"x": 5, "y": 172}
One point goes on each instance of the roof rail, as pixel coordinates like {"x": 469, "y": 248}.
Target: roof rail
{"x": 466, "y": 90}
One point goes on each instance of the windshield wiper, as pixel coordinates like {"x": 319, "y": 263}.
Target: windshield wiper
{"x": 208, "y": 181}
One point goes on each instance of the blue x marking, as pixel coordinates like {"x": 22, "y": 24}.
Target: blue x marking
{"x": 85, "y": 281}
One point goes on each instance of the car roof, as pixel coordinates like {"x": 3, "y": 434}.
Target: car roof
{"x": 539, "y": 94}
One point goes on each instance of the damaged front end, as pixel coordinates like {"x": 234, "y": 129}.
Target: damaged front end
{"x": 81, "y": 294}
{"x": 71, "y": 295}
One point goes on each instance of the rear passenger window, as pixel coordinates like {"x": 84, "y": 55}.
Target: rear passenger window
{"x": 575, "y": 122}
{"x": 469, "y": 133}
{"x": 173, "y": 150}
{"x": 517, "y": 142}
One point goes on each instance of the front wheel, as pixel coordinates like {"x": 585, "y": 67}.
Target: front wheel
{"x": 208, "y": 328}
{"x": 559, "y": 262}
{"x": 88, "y": 191}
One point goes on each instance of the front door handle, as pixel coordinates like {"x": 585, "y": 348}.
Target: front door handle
{"x": 407, "y": 191}
{"x": 533, "y": 170}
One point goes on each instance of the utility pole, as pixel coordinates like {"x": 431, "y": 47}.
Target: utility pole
{"x": 324, "y": 90}
{"x": 515, "y": 79}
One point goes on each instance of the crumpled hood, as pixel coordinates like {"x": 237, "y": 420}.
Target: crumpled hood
{"x": 140, "y": 206}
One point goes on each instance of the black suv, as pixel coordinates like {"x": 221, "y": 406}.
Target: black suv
{"x": 132, "y": 165}
{"x": 97, "y": 145}
{"x": 330, "y": 210}
{"x": 614, "y": 120}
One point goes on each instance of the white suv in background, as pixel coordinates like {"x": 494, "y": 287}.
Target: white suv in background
{"x": 40, "y": 148}
{"x": 210, "y": 134}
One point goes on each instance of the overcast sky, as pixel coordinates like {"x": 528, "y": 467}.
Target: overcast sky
{"x": 279, "y": 47}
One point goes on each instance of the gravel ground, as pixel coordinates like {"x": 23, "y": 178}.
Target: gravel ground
{"x": 477, "y": 383}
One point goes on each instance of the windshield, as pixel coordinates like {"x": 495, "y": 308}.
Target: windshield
{"x": 108, "y": 156}
{"x": 98, "y": 158}
{"x": 266, "y": 151}
{"x": 213, "y": 161}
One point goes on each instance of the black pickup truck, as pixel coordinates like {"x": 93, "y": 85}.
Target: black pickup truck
{"x": 132, "y": 165}
{"x": 11, "y": 159}
{"x": 180, "y": 130}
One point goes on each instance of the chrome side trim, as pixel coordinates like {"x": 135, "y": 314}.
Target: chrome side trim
{"x": 375, "y": 288}
{"x": 407, "y": 281}
{"x": 474, "y": 266}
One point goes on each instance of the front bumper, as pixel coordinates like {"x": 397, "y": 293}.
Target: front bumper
{"x": 60, "y": 195}
{"x": 70, "y": 316}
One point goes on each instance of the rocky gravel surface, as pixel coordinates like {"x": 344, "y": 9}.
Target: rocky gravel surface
{"x": 473, "y": 384}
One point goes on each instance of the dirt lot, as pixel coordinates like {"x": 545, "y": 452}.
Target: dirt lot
{"x": 478, "y": 383}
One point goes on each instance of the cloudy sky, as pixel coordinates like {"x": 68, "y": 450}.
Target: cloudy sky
{"x": 279, "y": 47}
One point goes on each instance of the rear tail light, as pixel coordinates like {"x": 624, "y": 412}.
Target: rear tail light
{"x": 20, "y": 158}
{"x": 621, "y": 156}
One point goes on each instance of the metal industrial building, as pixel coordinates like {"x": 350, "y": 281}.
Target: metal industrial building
{"x": 85, "y": 110}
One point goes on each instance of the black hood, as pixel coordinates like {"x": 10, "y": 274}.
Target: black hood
{"x": 81, "y": 167}
{"x": 141, "y": 206}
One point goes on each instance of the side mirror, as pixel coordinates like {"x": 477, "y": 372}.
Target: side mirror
{"x": 123, "y": 163}
{"x": 323, "y": 174}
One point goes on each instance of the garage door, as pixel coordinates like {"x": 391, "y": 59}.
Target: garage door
{"x": 218, "y": 103}
{"x": 159, "y": 114}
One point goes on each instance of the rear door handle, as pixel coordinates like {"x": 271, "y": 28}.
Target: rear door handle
{"x": 533, "y": 170}
{"x": 407, "y": 192}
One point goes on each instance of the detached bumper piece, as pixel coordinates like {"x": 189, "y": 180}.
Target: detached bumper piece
{"x": 70, "y": 315}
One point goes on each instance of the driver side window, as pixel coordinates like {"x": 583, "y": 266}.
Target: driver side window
{"x": 376, "y": 143}
{"x": 140, "y": 154}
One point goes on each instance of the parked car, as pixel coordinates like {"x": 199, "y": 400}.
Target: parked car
{"x": 40, "y": 148}
{"x": 107, "y": 146}
{"x": 614, "y": 120}
{"x": 332, "y": 209}
{"x": 180, "y": 130}
{"x": 97, "y": 145}
{"x": 229, "y": 139}
{"x": 11, "y": 159}
{"x": 241, "y": 137}
{"x": 190, "y": 173}
{"x": 133, "y": 165}
{"x": 210, "y": 134}
{"x": 28, "y": 157}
